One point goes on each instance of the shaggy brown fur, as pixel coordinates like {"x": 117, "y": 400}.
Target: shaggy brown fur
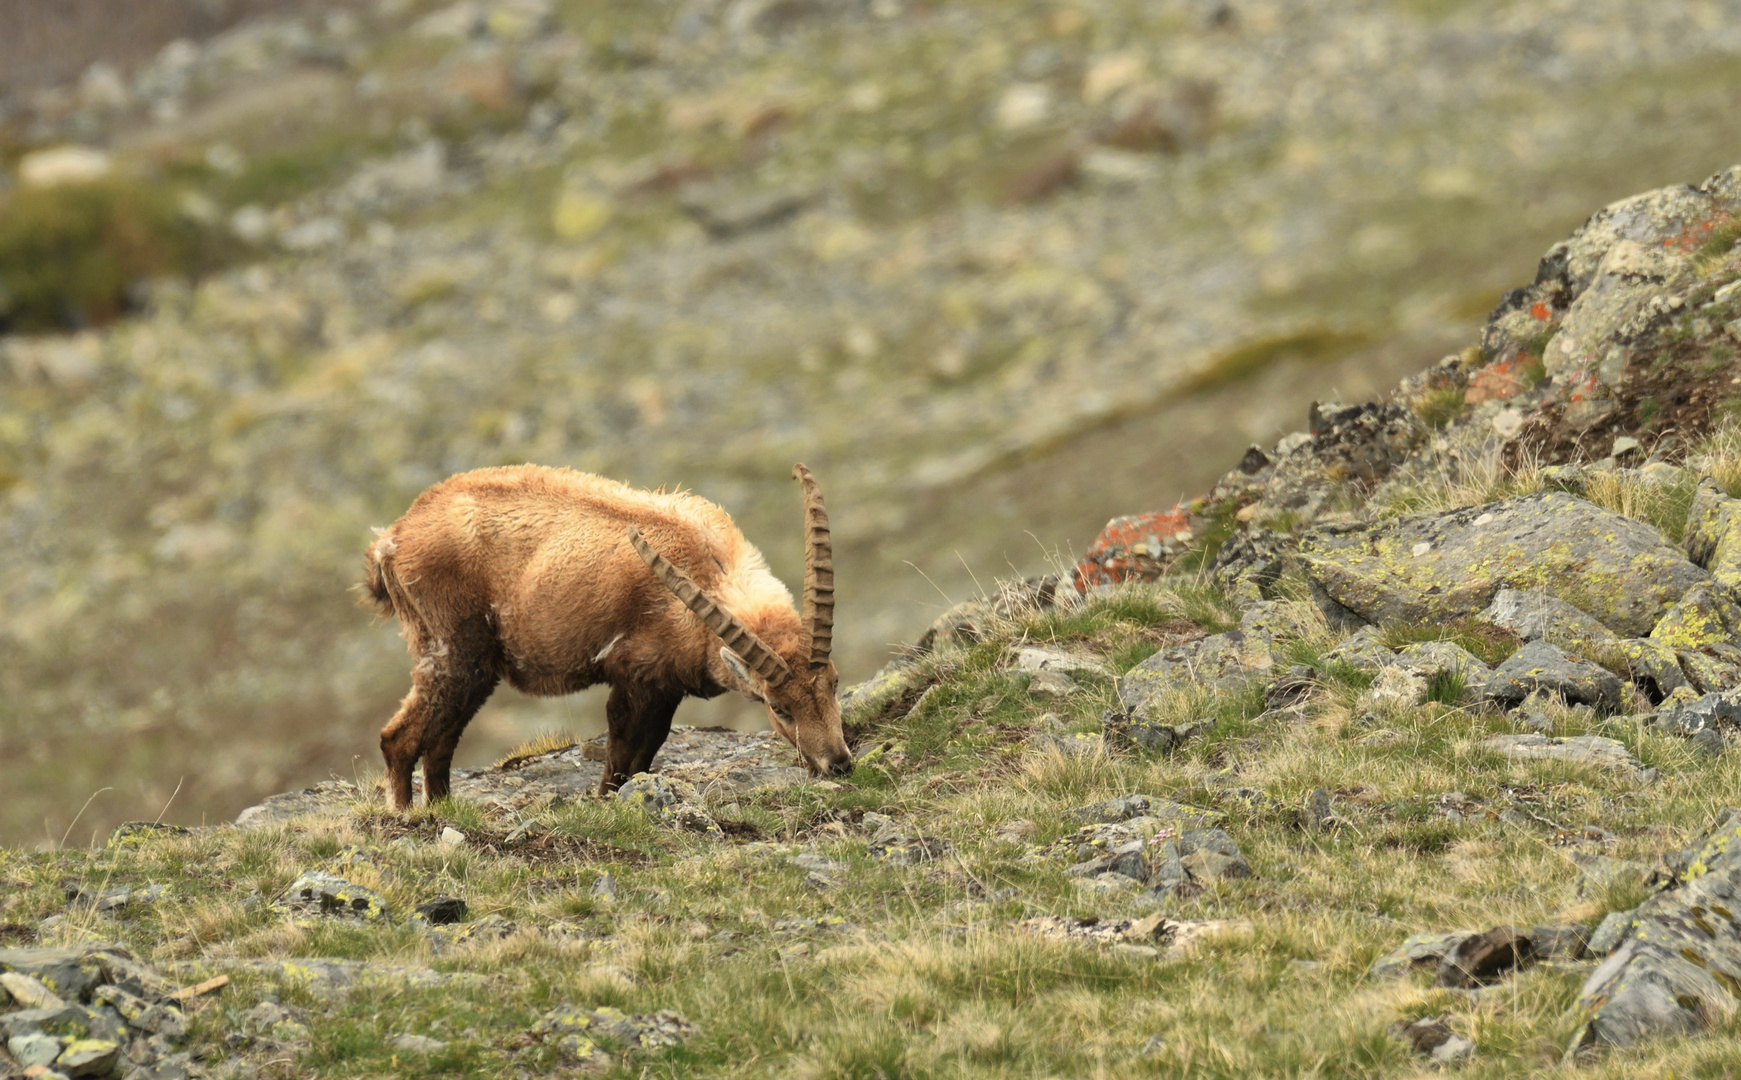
{"x": 527, "y": 573}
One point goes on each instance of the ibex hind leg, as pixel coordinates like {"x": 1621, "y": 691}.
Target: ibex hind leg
{"x": 450, "y": 683}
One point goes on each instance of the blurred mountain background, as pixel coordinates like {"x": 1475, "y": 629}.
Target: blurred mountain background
{"x": 996, "y": 269}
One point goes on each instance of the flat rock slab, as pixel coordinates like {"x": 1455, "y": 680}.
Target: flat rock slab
{"x": 709, "y": 758}
{"x": 1581, "y": 749}
{"x": 1619, "y": 571}
{"x": 1678, "y": 969}
{"x": 325, "y": 977}
{"x": 1536, "y": 616}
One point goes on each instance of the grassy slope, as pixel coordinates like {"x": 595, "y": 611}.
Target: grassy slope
{"x": 928, "y": 977}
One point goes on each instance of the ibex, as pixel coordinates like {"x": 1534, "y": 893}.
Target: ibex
{"x": 558, "y": 580}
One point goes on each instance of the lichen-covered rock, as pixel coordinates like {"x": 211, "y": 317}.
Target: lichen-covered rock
{"x": 1714, "y": 668}
{"x": 1137, "y": 547}
{"x": 572, "y": 1029}
{"x": 1560, "y": 941}
{"x": 1279, "y": 623}
{"x": 1610, "y": 932}
{"x": 1707, "y": 615}
{"x": 318, "y": 894}
{"x": 89, "y": 1057}
{"x": 1713, "y": 533}
{"x": 1440, "y": 566}
{"x": 133, "y": 835}
{"x": 1541, "y": 666}
{"x": 1534, "y": 616}
{"x": 1679, "y": 969}
{"x": 1250, "y": 562}
{"x": 1602, "y": 288}
{"x": 1432, "y": 660}
{"x": 1127, "y": 807}
{"x": 1349, "y": 448}
{"x": 1654, "y": 666}
{"x": 1364, "y": 650}
{"x": 671, "y": 802}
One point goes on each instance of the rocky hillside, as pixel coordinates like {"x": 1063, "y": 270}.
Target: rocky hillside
{"x": 993, "y": 269}
{"x": 1408, "y": 745}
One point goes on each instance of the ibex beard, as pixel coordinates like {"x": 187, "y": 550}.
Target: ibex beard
{"x": 557, "y": 580}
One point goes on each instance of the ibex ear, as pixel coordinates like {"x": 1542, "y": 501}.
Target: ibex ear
{"x": 741, "y": 671}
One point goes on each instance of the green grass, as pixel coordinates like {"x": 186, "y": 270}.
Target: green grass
{"x": 925, "y": 973}
{"x": 72, "y": 255}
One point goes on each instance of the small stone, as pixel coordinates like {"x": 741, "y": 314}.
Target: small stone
{"x": 34, "y": 1048}
{"x": 1583, "y": 749}
{"x": 416, "y": 1044}
{"x": 820, "y": 864}
{"x": 1154, "y": 1045}
{"x": 89, "y": 1057}
{"x": 451, "y": 837}
{"x": 30, "y": 992}
{"x": 1319, "y": 814}
{"x": 319, "y": 894}
{"x": 604, "y": 887}
{"x": 1482, "y": 958}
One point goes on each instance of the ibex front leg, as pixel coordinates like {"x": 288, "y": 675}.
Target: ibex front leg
{"x": 637, "y": 719}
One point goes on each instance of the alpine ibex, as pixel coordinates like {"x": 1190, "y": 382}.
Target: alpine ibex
{"x": 558, "y": 580}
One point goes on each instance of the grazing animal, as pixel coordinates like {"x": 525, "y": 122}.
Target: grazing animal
{"x": 558, "y": 580}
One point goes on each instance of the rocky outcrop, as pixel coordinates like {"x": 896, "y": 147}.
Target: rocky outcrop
{"x": 1446, "y": 566}
{"x": 1678, "y": 969}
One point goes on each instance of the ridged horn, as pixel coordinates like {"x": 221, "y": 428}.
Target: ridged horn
{"x": 736, "y": 636}
{"x": 818, "y": 610}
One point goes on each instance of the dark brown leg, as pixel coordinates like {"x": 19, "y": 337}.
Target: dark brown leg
{"x": 452, "y": 680}
{"x": 637, "y": 720}
{"x": 655, "y": 729}
{"x": 400, "y": 742}
{"x": 466, "y": 681}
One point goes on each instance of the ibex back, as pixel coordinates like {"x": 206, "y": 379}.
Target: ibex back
{"x": 558, "y": 580}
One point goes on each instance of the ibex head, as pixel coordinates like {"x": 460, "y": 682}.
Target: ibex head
{"x": 799, "y": 690}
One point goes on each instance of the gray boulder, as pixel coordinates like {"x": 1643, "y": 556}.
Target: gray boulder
{"x": 1421, "y": 952}
{"x": 1223, "y": 661}
{"x": 1444, "y": 566}
{"x": 1680, "y": 970}
{"x": 1541, "y": 666}
{"x": 1654, "y": 666}
{"x": 1536, "y": 616}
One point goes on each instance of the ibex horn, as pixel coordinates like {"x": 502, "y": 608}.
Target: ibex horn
{"x": 736, "y": 636}
{"x": 818, "y": 610}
